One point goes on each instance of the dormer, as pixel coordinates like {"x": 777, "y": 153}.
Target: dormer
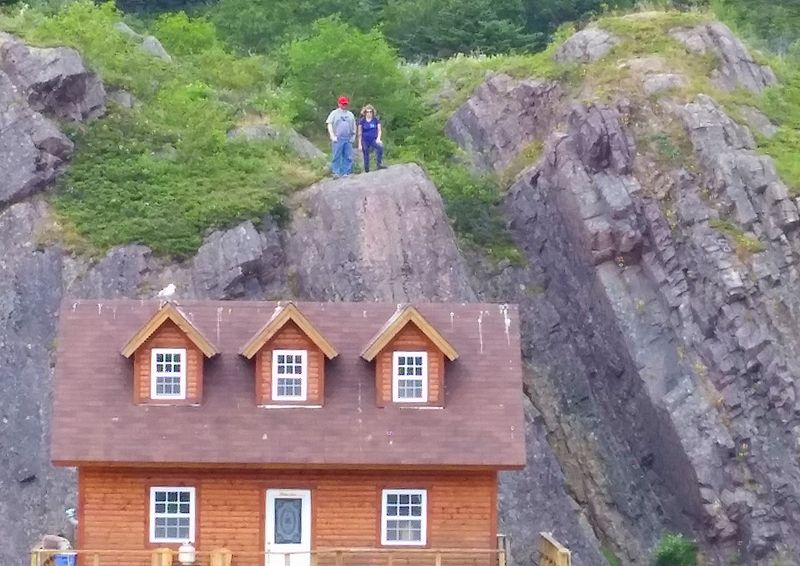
{"x": 290, "y": 356}
{"x": 168, "y": 355}
{"x": 409, "y": 355}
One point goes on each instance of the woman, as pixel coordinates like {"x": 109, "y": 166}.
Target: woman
{"x": 369, "y": 136}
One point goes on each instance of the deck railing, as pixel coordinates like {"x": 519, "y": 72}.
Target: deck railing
{"x": 345, "y": 556}
{"x": 553, "y": 553}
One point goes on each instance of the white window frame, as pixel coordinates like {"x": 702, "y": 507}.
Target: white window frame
{"x": 153, "y": 515}
{"x": 303, "y": 376}
{"x": 423, "y": 517}
{"x": 396, "y": 378}
{"x": 154, "y": 375}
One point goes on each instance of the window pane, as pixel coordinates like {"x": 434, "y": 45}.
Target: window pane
{"x": 288, "y": 520}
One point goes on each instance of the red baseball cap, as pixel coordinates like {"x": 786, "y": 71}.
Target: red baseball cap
{"x": 343, "y": 100}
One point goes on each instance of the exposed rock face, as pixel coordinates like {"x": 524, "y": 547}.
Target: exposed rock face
{"x": 664, "y": 339}
{"x": 736, "y": 66}
{"x": 33, "y": 495}
{"x": 54, "y": 80}
{"x": 32, "y": 149}
{"x": 297, "y": 143}
{"x": 360, "y": 239}
{"x": 502, "y": 117}
{"x": 586, "y": 46}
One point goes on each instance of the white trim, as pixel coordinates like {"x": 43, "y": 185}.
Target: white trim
{"x": 154, "y": 375}
{"x": 303, "y": 376}
{"x": 423, "y": 517}
{"x": 396, "y": 378}
{"x": 192, "y": 512}
{"x": 290, "y": 406}
{"x": 276, "y": 553}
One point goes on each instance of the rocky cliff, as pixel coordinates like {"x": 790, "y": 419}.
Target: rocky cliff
{"x": 658, "y": 300}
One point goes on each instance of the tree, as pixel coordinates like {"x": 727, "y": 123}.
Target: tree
{"x": 260, "y": 25}
{"x": 430, "y": 29}
{"x": 338, "y": 59}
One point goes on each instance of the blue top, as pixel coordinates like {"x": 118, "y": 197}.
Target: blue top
{"x": 369, "y": 128}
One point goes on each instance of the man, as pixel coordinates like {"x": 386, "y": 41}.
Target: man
{"x": 342, "y": 131}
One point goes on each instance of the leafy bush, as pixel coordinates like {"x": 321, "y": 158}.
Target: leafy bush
{"x": 338, "y": 59}
{"x": 675, "y": 550}
{"x": 181, "y": 35}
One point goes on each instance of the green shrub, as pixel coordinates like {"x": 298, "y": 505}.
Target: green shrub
{"x": 181, "y": 35}
{"x": 675, "y": 550}
{"x": 338, "y": 59}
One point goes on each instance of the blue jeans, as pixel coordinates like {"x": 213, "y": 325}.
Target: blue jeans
{"x": 341, "y": 157}
{"x": 366, "y": 145}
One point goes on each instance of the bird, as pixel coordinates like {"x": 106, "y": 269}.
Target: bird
{"x": 167, "y": 291}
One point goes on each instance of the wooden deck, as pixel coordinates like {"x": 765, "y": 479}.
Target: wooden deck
{"x": 316, "y": 557}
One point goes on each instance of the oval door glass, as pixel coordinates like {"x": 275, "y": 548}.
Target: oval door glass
{"x": 288, "y": 520}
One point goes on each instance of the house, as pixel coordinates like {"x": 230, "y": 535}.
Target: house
{"x": 281, "y": 428}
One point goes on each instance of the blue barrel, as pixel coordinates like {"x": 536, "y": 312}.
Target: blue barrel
{"x": 65, "y": 560}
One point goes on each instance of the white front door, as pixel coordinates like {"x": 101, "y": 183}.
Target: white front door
{"x": 288, "y": 527}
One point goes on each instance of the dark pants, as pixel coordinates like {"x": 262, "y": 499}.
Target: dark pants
{"x": 366, "y": 145}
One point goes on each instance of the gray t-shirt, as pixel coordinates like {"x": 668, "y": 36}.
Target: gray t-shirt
{"x": 343, "y": 123}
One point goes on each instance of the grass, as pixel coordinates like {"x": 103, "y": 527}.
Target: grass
{"x": 164, "y": 172}
{"x": 610, "y": 557}
{"x": 528, "y": 155}
{"x": 745, "y": 243}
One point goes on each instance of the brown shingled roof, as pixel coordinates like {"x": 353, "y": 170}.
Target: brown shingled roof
{"x": 95, "y": 419}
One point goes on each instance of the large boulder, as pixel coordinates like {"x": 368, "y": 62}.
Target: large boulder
{"x": 236, "y": 263}
{"x": 737, "y": 68}
{"x": 588, "y": 45}
{"x": 33, "y": 151}
{"x": 378, "y": 236}
{"x": 54, "y": 80}
{"x": 502, "y": 117}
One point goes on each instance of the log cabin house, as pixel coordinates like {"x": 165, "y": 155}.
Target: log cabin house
{"x": 280, "y": 430}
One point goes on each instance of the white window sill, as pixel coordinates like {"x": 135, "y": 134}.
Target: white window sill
{"x": 290, "y": 406}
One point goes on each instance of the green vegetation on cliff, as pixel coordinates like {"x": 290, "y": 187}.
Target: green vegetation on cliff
{"x": 164, "y": 171}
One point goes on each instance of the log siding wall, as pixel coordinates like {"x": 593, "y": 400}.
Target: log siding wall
{"x": 290, "y": 337}
{"x": 168, "y": 336}
{"x": 410, "y": 339}
{"x": 346, "y": 508}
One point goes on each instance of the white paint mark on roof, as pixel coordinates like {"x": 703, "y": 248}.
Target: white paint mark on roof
{"x": 506, "y": 322}
{"x": 480, "y": 329}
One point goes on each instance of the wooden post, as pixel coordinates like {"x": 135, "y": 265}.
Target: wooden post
{"x": 389, "y": 559}
{"x": 314, "y": 559}
{"x": 438, "y": 559}
{"x": 96, "y": 560}
{"x": 35, "y": 557}
{"x": 287, "y": 559}
{"x": 501, "y": 558}
{"x": 339, "y": 558}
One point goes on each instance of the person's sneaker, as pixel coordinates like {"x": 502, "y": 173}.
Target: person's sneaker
{"x": 366, "y": 170}
{"x": 381, "y": 166}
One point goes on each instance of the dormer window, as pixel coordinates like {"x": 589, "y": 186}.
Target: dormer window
{"x": 289, "y": 375}
{"x": 168, "y": 374}
{"x": 168, "y": 353}
{"x": 410, "y": 377}
{"x": 409, "y": 356}
{"x": 289, "y": 354}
